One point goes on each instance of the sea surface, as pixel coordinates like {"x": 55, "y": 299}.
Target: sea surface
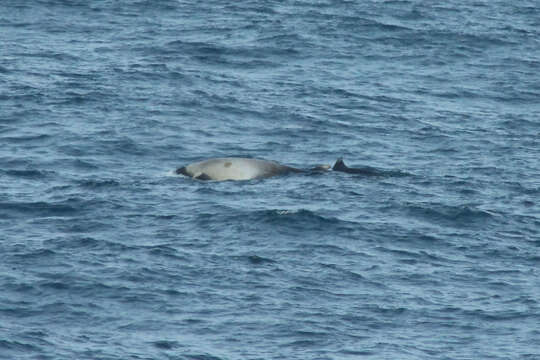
{"x": 106, "y": 253}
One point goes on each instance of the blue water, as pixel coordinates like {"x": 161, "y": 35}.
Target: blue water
{"x": 106, "y": 254}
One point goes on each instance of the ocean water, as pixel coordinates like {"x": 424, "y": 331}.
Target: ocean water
{"x": 105, "y": 253}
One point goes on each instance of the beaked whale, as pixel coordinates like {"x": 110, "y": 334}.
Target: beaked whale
{"x": 236, "y": 168}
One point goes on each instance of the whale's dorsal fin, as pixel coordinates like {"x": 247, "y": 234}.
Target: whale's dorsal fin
{"x": 339, "y": 165}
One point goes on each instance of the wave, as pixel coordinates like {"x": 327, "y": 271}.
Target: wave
{"x": 70, "y": 207}
{"x": 28, "y": 174}
{"x": 451, "y": 215}
{"x": 42, "y": 208}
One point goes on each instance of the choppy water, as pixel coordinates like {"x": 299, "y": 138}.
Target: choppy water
{"x": 105, "y": 254}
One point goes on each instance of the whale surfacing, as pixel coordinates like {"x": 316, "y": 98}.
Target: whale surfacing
{"x": 234, "y": 169}
{"x": 237, "y": 168}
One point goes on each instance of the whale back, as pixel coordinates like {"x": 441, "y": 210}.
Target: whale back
{"x": 234, "y": 169}
{"x": 366, "y": 170}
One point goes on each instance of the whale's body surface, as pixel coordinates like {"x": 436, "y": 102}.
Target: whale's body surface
{"x": 231, "y": 168}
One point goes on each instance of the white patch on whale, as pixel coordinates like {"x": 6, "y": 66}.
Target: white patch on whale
{"x": 232, "y": 168}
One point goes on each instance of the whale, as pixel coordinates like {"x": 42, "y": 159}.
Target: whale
{"x": 238, "y": 168}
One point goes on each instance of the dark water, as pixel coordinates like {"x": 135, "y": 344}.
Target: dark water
{"x": 105, "y": 254}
